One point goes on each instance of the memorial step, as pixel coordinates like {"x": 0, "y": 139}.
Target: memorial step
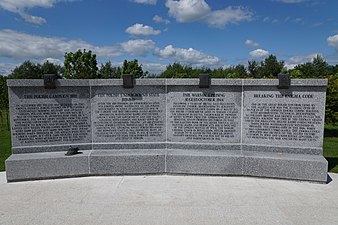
{"x": 127, "y": 162}
{"x": 48, "y": 165}
{"x": 284, "y": 165}
{"x": 207, "y": 162}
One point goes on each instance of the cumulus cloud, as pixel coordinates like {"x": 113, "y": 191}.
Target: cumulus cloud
{"x": 251, "y": 43}
{"x": 140, "y": 29}
{"x": 20, "y": 7}
{"x": 7, "y": 68}
{"x": 220, "y": 18}
{"x": 300, "y": 59}
{"x": 185, "y": 11}
{"x": 52, "y": 60}
{"x": 333, "y": 41}
{"x": 291, "y": 1}
{"x": 259, "y": 53}
{"x": 158, "y": 19}
{"x": 155, "y": 68}
{"x": 187, "y": 56}
{"x": 138, "y": 47}
{"x": 18, "y": 45}
{"x": 146, "y": 2}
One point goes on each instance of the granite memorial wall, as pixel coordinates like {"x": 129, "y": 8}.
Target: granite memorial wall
{"x": 175, "y": 126}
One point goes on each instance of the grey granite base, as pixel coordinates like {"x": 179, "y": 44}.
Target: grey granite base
{"x": 288, "y": 166}
{"x": 204, "y": 162}
{"x": 109, "y": 162}
{"x": 283, "y": 149}
{"x": 33, "y": 166}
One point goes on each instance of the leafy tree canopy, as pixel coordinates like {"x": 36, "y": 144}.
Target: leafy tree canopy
{"x": 132, "y": 67}
{"x": 80, "y": 65}
{"x": 3, "y": 93}
{"x": 315, "y": 69}
{"x": 108, "y": 71}
{"x": 270, "y": 67}
{"x": 27, "y": 70}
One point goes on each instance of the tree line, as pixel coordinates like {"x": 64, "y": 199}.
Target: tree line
{"x": 83, "y": 65}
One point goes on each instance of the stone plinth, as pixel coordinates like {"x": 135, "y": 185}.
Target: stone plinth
{"x": 233, "y": 127}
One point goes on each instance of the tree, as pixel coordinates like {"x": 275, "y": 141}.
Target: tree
{"x": 51, "y": 68}
{"x": 253, "y": 68}
{"x": 133, "y": 68}
{"x": 218, "y": 73}
{"x": 4, "y": 114}
{"x": 107, "y": 71}
{"x": 331, "y": 109}
{"x": 270, "y": 67}
{"x": 27, "y": 70}
{"x": 240, "y": 71}
{"x": 315, "y": 69}
{"x": 80, "y": 65}
{"x": 3, "y": 93}
{"x": 175, "y": 70}
{"x": 295, "y": 73}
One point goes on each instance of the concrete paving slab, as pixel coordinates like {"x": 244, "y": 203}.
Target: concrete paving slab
{"x": 166, "y": 199}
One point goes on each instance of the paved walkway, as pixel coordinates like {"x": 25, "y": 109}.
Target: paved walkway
{"x": 171, "y": 200}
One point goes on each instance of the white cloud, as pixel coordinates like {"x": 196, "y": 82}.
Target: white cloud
{"x": 185, "y": 11}
{"x": 291, "y": 1}
{"x": 251, "y": 43}
{"x": 272, "y": 21}
{"x": 20, "y": 45}
{"x": 52, "y": 60}
{"x": 23, "y": 46}
{"x": 31, "y": 18}
{"x": 220, "y": 18}
{"x": 299, "y": 59}
{"x": 158, "y": 19}
{"x": 140, "y": 29}
{"x": 20, "y": 7}
{"x": 259, "y": 53}
{"x": 146, "y": 2}
{"x": 138, "y": 47}
{"x": 153, "y": 67}
{"x": 333, "y": 41}
{"x": 7, "y": 68}
{"x": 187, "y": 56}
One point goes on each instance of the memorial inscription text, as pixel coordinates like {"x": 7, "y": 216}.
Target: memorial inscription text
{"x": 50, "y": 122}
{"x": 129, "y": 119}
{"x": 283, "y": 121}
{"x": 204, "y": 117}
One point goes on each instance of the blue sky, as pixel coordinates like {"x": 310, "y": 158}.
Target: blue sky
{"x": 209, "y": 33}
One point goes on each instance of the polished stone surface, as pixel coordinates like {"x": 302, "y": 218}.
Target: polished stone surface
{"x": 46, "y": 165}
{"x": 245, "y": 127}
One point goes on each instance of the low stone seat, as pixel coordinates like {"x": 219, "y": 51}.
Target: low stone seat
{"x": 207, "y": 162}
{"x": 30, "y": 166}
{"x": 45, "y": 165}
{"x": 126, "y": 162}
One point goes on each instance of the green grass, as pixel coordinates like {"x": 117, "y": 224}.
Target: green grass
{"x": 5, "y": 142}
{"x": 330, "y": 145}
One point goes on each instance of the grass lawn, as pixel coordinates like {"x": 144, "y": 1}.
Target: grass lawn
{"x": 5, "y": 142}
{"x": 330, "y": 145}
